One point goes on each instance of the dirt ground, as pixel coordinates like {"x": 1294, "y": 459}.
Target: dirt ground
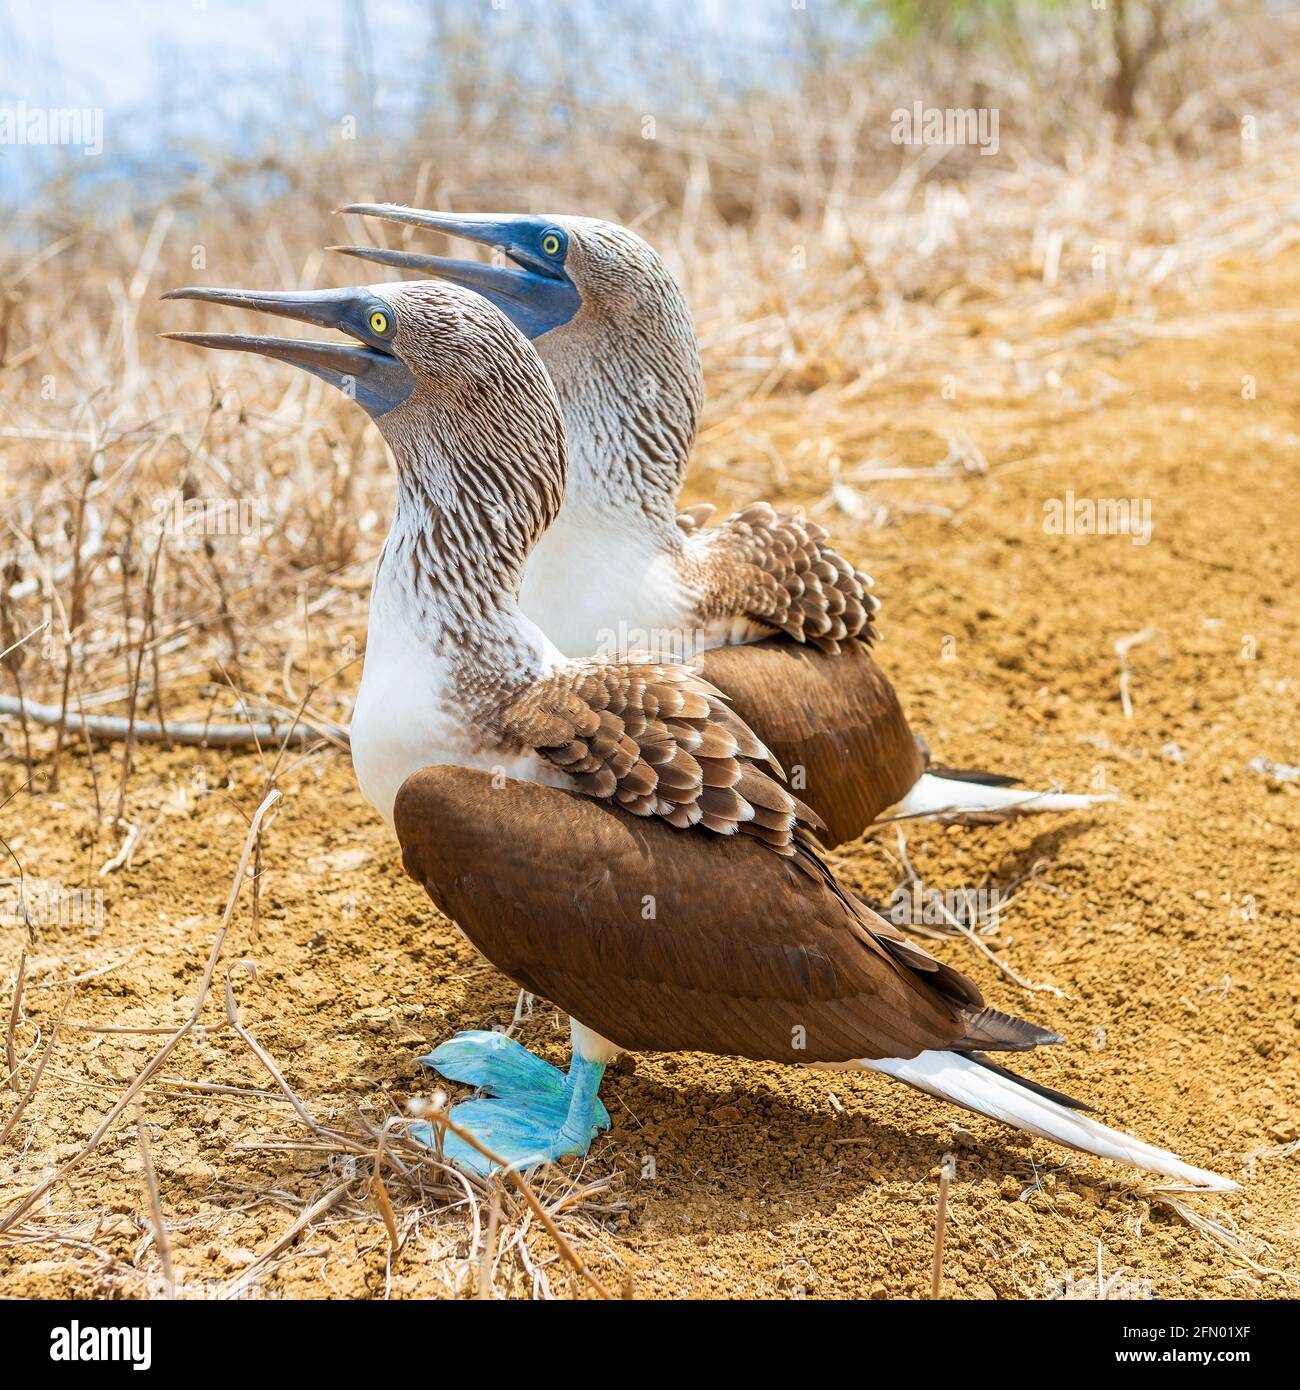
{"x": 1164, "y": 924}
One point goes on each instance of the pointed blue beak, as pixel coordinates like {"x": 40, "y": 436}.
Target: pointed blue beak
{"x": 369, "y": 372}
{"x": 536, "y": 293}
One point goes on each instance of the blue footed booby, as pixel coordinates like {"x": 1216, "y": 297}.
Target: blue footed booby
{"x": 605, "y": 830}
{"x": 770, "y": 612}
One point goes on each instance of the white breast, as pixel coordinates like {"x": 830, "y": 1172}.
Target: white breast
{"x": 594, "y": 589}
{"x": 407, "y": 717}
{"x": 397, "y": 726}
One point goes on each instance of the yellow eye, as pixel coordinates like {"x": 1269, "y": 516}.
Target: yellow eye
{"x": 551, "y": 244}
{"x": 379, "y": 322}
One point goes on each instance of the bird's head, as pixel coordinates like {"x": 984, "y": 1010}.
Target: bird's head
{"x": 607, "y": 318}
{"x": 553, "y": 272}
{"x": 452, "y": 385}
{"x": 537, "y": 282}
{"x": 370, "y": 370}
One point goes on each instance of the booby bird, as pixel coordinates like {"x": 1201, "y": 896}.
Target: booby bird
{"x": 783, "y": 620}
{"x": 605, "y": 830}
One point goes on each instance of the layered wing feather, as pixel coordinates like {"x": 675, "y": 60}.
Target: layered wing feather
{"x": 776, "y": 569}
{"x": 834, "y": 723}
{"x": 655, "y": 739}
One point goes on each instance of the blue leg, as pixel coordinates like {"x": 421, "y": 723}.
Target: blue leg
{"x": 535, "y": 1112}
{"x": 502, "y": 1067}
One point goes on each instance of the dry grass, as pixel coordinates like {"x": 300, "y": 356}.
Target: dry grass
{"x": 820, "y": 259}
{"x": 428, "y": 1189}
{"x": 821, "y": 262}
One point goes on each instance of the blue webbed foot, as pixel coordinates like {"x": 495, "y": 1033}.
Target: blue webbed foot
{"x": 535, "y": 1112}
{"x": 502, "y": 1067}
{"x": 520, "y": 1135}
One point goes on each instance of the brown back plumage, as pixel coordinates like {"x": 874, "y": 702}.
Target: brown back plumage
{"x": 664, "y": 941}
{"x": 833, "y": 722}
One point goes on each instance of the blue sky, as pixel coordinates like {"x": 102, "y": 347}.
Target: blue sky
{"x": 168, "y": 74}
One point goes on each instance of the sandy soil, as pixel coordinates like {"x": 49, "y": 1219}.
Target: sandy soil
{"x": 1165, "y": 924}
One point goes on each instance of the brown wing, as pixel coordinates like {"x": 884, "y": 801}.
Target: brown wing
{"x": 678, "y": 942}
{"x": 657, "y": 740}
{"x": 833, "y": 722}
{"x": 692, "y": 519}
{"x": 777, "y": 569}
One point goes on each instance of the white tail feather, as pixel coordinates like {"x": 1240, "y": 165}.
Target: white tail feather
{"x": 945, "y": 796}
{"x": 950, "y": 1076}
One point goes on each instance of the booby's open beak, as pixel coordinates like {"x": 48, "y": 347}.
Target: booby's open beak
{"x": 369, "y": 373}
{"x": 536, "y": 293}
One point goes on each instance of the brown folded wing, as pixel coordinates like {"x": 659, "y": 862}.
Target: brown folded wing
{"x": 655, "y": 739}
{"x": 668, "y": 941}
{"x": 776, "y": 569}
{"x": 833, "y": 723}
